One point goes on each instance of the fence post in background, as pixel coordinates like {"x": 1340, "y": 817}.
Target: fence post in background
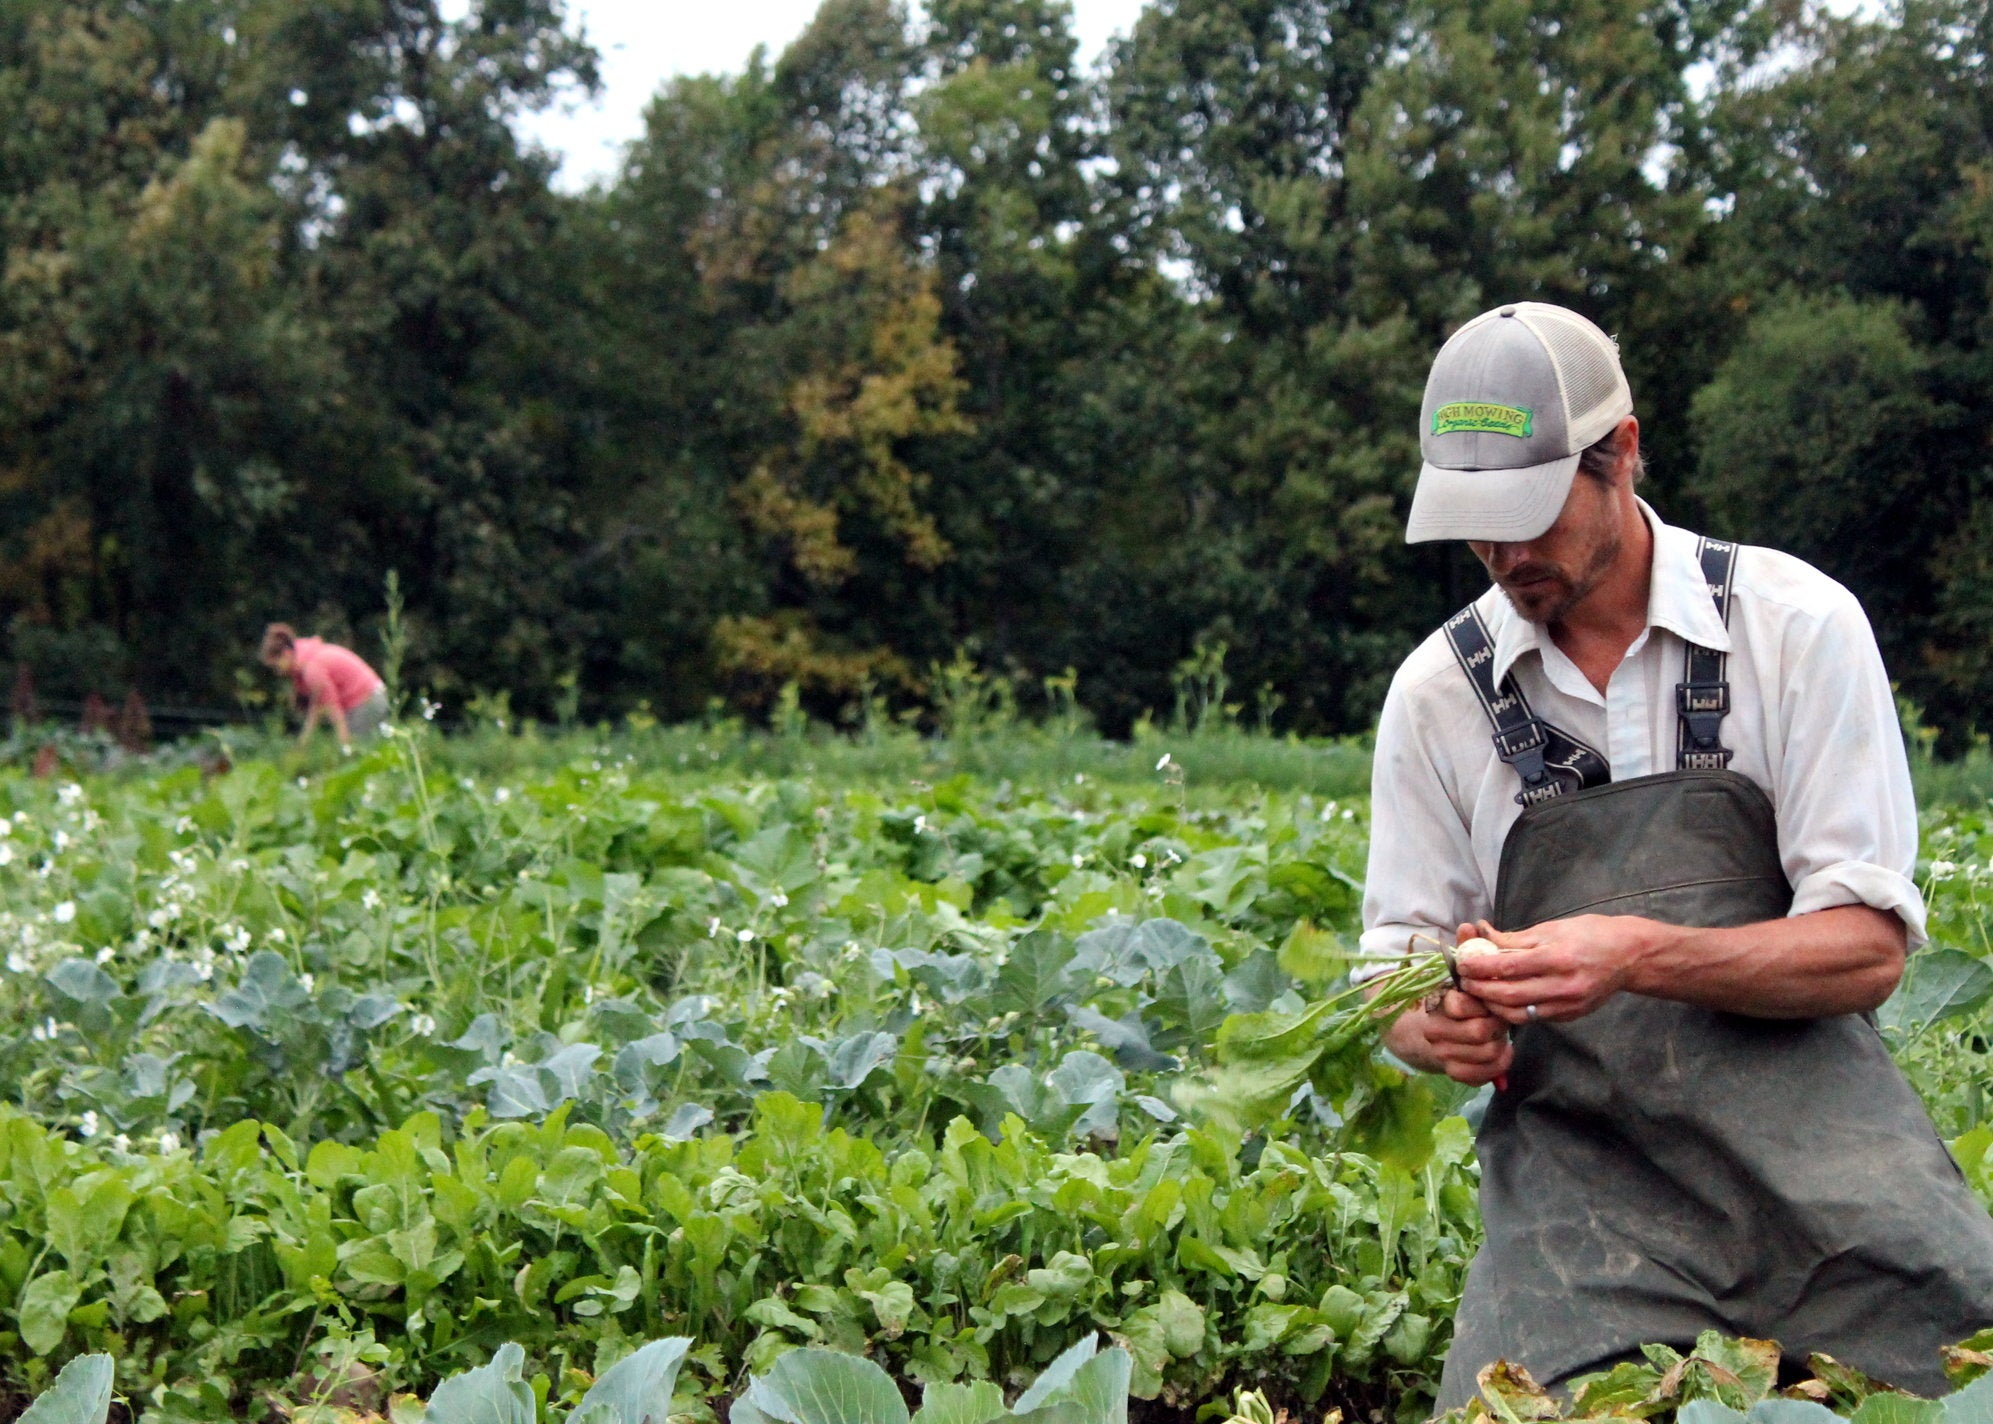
{"x": 133, "y": 727}
{"x": 26, "y": 714}
{"x": 96, "y": 716}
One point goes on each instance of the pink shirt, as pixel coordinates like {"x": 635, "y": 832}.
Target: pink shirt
{"x": 328, "y": 673}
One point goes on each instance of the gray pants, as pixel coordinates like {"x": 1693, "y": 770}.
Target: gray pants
{"x": 364, "y": 722}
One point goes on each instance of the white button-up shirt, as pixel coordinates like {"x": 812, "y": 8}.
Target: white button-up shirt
{"x": 1812, "y": 721}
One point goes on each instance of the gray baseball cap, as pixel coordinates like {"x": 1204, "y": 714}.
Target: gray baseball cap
{"x": 1513, "y": 399}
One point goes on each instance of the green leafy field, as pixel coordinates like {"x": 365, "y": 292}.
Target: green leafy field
{"x": 330, "y": 1077}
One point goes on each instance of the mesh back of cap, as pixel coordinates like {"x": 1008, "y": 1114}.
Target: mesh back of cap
{"x": 1595, "y": 393}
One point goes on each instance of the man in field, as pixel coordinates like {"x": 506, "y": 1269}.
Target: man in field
{"x": 331, "y": 684}
{"x": 1664, "y": 774}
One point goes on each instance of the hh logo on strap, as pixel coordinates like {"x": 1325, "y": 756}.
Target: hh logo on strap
{"x": 1482, "y": 416}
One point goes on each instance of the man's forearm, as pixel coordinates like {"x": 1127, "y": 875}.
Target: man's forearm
{"x": 1844, "y": 960}
{"x": 1839, "y": 961}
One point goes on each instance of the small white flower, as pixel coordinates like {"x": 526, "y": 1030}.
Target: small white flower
{"x": 65, "y": 912}
{"x": 371, "y": 899}
{"x": 744, "y": 935}
{"x": 1943, "y": 869}
{"x": 17, "y": 963}
{"x": 387, "y": 729}
{"x": 1348, "y": 814}
{"x": 6, "y": 828}
{"x": 920, "y": 825}
{"x": 712, "y": 927}
{"x": 68, "y": 793}
{"x": 43, "y": 1031}
{"x": 422, "y": 1024}
{"x": 104, "y": 954}
{"x": 277, "y": 935}
{"x": 502, "y": 795}
{"x": 1139, "y": 861}
{"x": 169, "y": 1142}
{"x": 778, "y": 899}
{"x": 20, "y": 818}
{"x": 121, "y": 1142}
{"x": 308, "y": 982}
{"x": 1079, "y": 778}
{"x": 60, "y": 840}
{"x": 1078, "y": 860}
{"x": 6, "y": 851}
{"x": 89, "y": 1125}
{"x": 185, "y": 826}
{"x": 1163, "y": 762}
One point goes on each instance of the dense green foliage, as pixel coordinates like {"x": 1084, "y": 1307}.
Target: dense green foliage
{"x": 916, "y": 338}
{"x": 334, "y": 1071}
{"x": 399, "y": 1061}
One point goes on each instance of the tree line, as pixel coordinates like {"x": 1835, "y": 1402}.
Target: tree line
{"x": 918, "y": 340}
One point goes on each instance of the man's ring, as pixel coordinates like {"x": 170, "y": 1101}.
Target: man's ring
{"x": 1529, "y": 1011}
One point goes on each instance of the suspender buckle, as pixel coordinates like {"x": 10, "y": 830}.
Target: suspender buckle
{"x": 1702, "y": 707}
{"x": 1522, "y": 747}
{"x": 1703, "y": 698}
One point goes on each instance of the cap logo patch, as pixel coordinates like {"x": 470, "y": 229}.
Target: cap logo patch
{"x": 1459, "y": 416}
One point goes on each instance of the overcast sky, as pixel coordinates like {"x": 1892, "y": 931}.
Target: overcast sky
{"x": 645, "y": 42}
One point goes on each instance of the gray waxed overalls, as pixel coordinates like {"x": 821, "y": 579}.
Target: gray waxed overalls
{"x": 1655, "y": 1170}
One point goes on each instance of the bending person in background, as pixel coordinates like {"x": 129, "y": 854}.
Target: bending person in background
{"x": 329, "y": 683}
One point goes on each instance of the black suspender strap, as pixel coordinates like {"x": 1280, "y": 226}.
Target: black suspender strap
{"x": 1702, "y": 697}
{"x": 1550, "y": 761}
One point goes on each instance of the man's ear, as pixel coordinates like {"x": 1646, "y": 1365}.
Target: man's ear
{"x": 1626, "y": 451}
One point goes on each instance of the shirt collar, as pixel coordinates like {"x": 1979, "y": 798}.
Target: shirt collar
{"x": 1678, "y": 599}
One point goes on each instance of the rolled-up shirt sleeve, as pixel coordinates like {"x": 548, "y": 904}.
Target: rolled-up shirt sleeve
{"x": 1847, "y": 816}
{"x": 1422, "y": 875}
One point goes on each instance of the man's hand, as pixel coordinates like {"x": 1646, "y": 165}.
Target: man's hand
{"x": 1566, "y": 968}
{"x": 1454, "y": 1034}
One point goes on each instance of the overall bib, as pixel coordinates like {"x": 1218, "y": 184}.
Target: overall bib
{"x": 1655, "y": 1170}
